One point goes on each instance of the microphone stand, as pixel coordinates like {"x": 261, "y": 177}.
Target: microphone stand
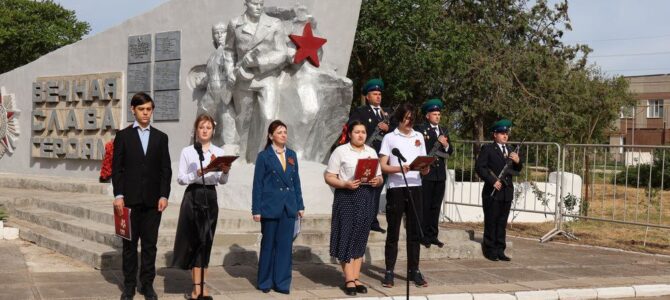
{"x": 416, "y": 216}
{"x": 204, "y": 232}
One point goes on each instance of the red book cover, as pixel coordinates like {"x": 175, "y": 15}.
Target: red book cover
{"x": 216, "y": 163}
{"x": 122, "y": 224}
{"x": 420, "y": 162}
{"x": 366, "y": 169}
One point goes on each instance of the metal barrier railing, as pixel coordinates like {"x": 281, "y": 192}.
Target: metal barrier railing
{"x": 540, "y": 160}
{"x": 619, "y": 184}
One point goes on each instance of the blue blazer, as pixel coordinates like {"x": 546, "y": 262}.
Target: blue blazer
{"x": 275, "y": 189}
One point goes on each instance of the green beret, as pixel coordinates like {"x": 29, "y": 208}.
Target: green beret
{"x": 503, "y": 125}
{"x": 432, "y": 105}
{"x": 373, "y": 85}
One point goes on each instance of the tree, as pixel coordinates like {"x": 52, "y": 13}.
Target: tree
{"x": 488, "y": 60}
{"x": 30, "y": 29}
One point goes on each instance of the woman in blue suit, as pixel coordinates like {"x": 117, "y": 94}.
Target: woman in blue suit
{"x": 276, "y": 201}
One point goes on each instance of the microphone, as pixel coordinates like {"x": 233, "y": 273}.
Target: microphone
{"x": 397, "y": 153}
{"x": 198, "y": 148}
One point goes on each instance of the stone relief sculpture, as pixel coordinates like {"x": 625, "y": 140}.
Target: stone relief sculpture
{"x": 263, "y": 84}
{"x": 217, "y": 98}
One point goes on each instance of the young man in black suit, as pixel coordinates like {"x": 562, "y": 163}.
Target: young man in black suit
{"x": 141, "y": 176}
{"x": 373, "y": 115}
{"x": 490, "y": 162}
{"x": 434, "y": 183}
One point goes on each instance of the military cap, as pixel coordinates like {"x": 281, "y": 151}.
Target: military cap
{"x": 432, "y": 105}
{"x": 373, "y": 85}
{"x": 503, "y": 125}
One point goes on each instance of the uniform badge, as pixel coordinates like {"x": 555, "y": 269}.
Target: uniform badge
{"x": 369, "y": 120}
{"x": 291, "y": 161}
{"x": 417, "y": 143}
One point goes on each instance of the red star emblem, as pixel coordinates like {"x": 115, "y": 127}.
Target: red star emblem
{"x": 307, "y": 46}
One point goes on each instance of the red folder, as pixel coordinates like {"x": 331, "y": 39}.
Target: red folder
{"x": 122, "y": 224}
{"x": 420, "y": 162}
{"x": 366, "y": 170}
{"x": 215, "y": 164}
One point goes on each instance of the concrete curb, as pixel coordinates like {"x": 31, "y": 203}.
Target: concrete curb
{"x": 650, "y": 290}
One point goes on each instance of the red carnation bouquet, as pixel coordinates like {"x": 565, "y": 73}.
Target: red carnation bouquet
{"x": 106, "y": 169}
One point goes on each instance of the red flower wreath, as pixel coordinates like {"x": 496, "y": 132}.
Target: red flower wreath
{"x": 106, "y": 169}
{"x": 417, "y": 143}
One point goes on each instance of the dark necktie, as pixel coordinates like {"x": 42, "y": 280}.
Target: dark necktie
{"x": 377, "y": 113}
{"x": 437, "y": 131}
{"x": 504, "y": 151}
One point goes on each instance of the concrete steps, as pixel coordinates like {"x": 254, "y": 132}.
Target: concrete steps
{"x": 80, "y": 225}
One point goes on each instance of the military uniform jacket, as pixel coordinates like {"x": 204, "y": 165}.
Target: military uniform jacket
{"x": 367, "y": 115}
{"x": 437, "y": 170}
{"x": 489, "y": 164}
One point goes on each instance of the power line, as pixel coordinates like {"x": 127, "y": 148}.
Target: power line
{"x": 623, "y": 39}
{"x": 632, "y": 54}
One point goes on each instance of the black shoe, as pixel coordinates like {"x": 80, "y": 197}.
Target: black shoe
{"x": 436, "y": 242}
{"x": 148, "y": 292}
{"x": 388, "y": 279}
{"x": 425, "y": 242}
{"x": 361, "y": 289}
{"x": 282, "y": 291}
{"x": 491, "y": 257}
{"x": 265, "y": 290}
{"x": 377, "y": 228}
{"x": 128, "y": 293}
{"x": 503, "y": 257}
{"x": 418, "y": 278}
{"x": 350, "y": 290}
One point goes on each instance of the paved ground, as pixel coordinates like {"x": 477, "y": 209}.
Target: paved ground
{"x": 31, "y": 272}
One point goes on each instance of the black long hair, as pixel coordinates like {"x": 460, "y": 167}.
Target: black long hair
{"x": 402, "y": 110}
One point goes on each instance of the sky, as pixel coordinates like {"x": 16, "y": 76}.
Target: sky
{"x": 629, "y": 37}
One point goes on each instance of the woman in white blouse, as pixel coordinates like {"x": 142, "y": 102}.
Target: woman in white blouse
{"x": 353, "y": 206}
{"x": 199, "y": 207}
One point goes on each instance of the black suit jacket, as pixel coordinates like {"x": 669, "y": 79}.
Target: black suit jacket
{"x": 141, "y": 179}
{"x": 491, "y": 159}
{"x": 437, "y": 170}
{"x": 366, "y": 115}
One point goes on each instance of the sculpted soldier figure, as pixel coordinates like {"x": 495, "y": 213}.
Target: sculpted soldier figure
{"x": 254, "y": 55}
{"x": 218, "y": 92}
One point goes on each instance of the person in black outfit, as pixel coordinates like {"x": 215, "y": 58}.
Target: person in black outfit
{"x": 490, "y": 162}
{"x": 433, "y": 184}
{"x": 373, "y": 116}
{"x": 141, "y": 176}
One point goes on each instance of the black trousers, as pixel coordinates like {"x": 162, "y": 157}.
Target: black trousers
{"x": 433, "y": 194}
{"x": 496, "y": 212}
{"x": 398, "y": 204}
{"x": 144, "y": 222}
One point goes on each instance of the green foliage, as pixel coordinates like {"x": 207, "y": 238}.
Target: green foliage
{"x": 569, "y": 203}
{"x": 488, "y": 60}
{"x": 3, "y": 213}
{"x": 30, "y": 29}
{"x": 642, "y": 175}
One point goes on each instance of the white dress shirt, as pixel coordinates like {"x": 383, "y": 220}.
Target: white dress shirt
{"x": 344, "y": 159}
{"x": 189, "y": 163}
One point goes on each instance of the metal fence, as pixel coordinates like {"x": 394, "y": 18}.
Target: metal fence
{"x": 540, "y": 161}
{"x": 609, "y": 183}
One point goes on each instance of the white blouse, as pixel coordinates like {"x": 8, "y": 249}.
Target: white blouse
{"x": 189, "y": 163}
{"x": 344, "y": 159}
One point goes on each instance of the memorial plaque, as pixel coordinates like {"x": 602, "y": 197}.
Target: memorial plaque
{"x": 168, "y": 46}
{"x": 139, "y": 49}
{"x": 167, "y": 106}
{"x": 139, "y": 77}
{"x": 166, "y": 75}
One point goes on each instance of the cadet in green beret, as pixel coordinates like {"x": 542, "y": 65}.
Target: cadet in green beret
{"x": 436, "y": 138}
{"x": 498, "y": 193}
{"x": 376, "y": 121}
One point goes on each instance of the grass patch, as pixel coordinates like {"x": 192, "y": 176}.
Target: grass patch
{"x": 3, "y": 213}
